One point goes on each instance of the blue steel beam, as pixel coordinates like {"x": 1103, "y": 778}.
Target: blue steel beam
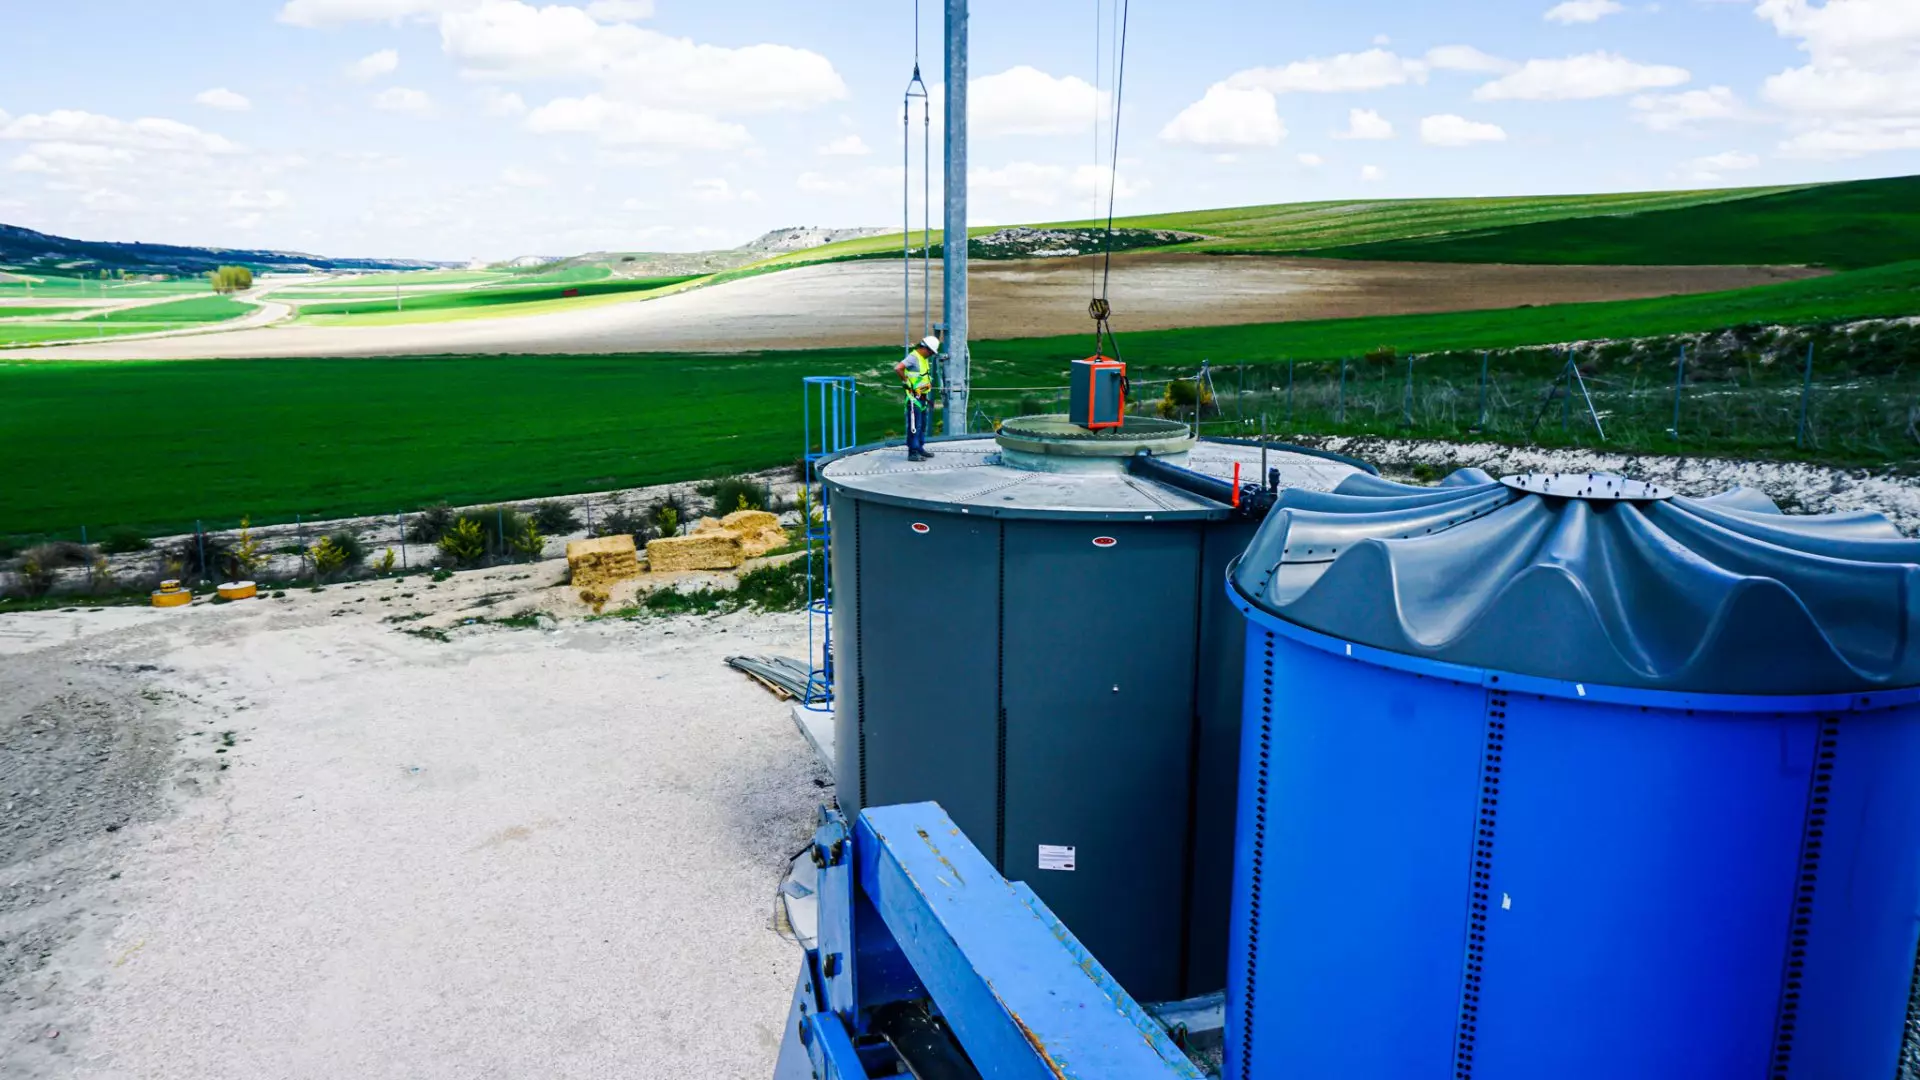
{"x": 1022, "y": 996}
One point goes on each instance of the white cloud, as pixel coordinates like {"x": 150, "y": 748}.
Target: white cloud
{"x": 856, "y": 182}
{"x": 1450, "y": 130}
{"x": 1854, "y": 138}
{"x": 1593, "y": 75}
{"x": 1582, "y": 11}
{"x": 1027, "y": 101}
{"x": 1371, "y": 174}
{"x": 71, "y": 159}
{"x": 374, "y": 65}
{"x": 623, "y": 123}
{"x": 1679, "y": 112}
{"x": 848, "y": 145}
{"x": 1228, "y": 117}
{"x": 335, "y": 12}
{"x": 621, "y": 10}
{"x": 257, "y": 200}
{"x": 1370, "y": 70}
{"x": 506, "y": 40}
{"x": 1712, "y": 168}
{"x": 1311, "y": 161}
{"x": 497, "y": 102}
{"x": 224, "y": 99}
{"x": 515, "y": 176}
{"x": 148, "y": 133}
{"x": 718, "y": 190}
{"x": 1365, "y": 124}
{"x": 1030, "y": 184}
{"x": 1467, "y": 58}
{"x": 1860, "y": 91}
{"x": 402, "y": 99}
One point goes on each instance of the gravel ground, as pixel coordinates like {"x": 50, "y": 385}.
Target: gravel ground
{"x": 284, "y": 838}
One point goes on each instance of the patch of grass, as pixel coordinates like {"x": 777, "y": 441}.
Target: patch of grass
{"x": 82, "y": 448}
{"x": 1849, "y": 226}
{"x": 200, "y": 309}
{"x": 427, "y": 632}
{"x": 24, "y": 311}
{"x": 31, "y": 333}
{"x": 492, "y": 295}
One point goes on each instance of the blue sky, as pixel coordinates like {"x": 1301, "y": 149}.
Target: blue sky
{"x": 456, "y": 129}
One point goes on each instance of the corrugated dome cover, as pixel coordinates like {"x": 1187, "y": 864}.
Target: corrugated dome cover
{"x": 1594, "y": 578}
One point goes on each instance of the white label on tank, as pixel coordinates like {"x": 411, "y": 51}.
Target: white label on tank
{"x": 1056, "y": 857}
{"x": 1506, "y": 902}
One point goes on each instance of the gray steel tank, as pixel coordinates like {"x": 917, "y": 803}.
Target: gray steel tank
{"x": 1036, "y": 638}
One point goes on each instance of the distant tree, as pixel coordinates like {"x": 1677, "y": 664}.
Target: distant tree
{"x": 231, "y": 279}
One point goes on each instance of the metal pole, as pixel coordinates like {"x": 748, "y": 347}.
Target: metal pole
{"x": 1806, "y": 392}
{"x": 403, "y": 541}
{"x": 200, "y": 537}
{"x": 1679, "y": 380}
{"x": 1482, "y": 422}
{"x": 1289, "y": 393}
{"x": 90, "y": 561}
{"x": 1406, "y": 399}
{"x": 1340, "y": 413}
{"x": 954, "y": 263}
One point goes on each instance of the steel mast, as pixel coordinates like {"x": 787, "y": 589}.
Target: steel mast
{"x": 954, "y": 241}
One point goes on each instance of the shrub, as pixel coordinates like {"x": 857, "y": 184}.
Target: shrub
{"x": 328, "y": 558}
{"x": 121, "y": 540}
{"x": 1182, "y": 395}
{"x": 430, "y": 524}
{"x": 498, "y": 526}
{"x": 59, "y": 554}
{"x": 384, "y": 564}
{"x": 527, "y": 541}
{"x": 351, "y": 546}
{"x": 669, "y": 514}
{"x": 554, "y": 518}
{"x": 732, "y": 493}
{"x": 246, "y": 556}
{"x": 464, "y": 543}
{"x": 635, "y": 523}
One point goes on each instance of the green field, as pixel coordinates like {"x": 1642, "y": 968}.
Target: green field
{"x": 200, "y": 309}
{"x": 24, "y": 312}
{"x": 87, "y": 444}
{"x": 32, "y": 333}
{"x": 490, "y": 296}
{"x": 70, "y": 288}
{"x": 1847, "y": 226}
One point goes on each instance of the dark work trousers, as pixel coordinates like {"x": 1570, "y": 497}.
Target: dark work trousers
{"x": 918, "y": 413}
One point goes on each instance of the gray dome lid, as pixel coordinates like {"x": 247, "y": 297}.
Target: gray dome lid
{"x": 1592, "y": 578}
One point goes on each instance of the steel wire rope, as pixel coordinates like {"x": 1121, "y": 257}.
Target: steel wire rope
{"x": 1099, "y": 307}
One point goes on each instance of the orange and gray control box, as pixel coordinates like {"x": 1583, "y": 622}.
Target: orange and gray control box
{"x": 1097, "y": 397}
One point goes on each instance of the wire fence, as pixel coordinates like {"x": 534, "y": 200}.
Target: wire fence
{"x": 1558, "y": 399}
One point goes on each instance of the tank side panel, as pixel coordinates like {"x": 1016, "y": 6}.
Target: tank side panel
{"x": 843, "y": 550}
{"x": 1641, "y": 891}
{"x": 1359, "y": 789}
{"x": 929, "y": 653}
{"x": 1222, "y": 658}
{"x": 1099, "y": 701}
{"x": 1864, "y": 900}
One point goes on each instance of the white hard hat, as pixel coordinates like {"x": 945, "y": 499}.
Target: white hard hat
{"x": 931, "y": 343}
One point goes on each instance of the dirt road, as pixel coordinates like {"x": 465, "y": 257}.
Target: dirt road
{"x": 284, "y": 838}
{"x": 857, "y": 304}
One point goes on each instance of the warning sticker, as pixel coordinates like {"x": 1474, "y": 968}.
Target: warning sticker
{"x": 1056, "y": 857}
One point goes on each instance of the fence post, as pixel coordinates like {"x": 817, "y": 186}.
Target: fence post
{"x": 1566, "y": 396}
{"x": 1406, "y": 399}
{"x": 500, "y": 524}
{"x": 1481, "y": 423}
{"x": 1806, "y": 392}
{"x": 1340, "y": 410}
{"x": 403, "y": 541}
{"x": 83, "y": 543}
{"x": 200, "y": 537}
{"x": 1679, "y": 380}
{"x": 1289, "y": 393}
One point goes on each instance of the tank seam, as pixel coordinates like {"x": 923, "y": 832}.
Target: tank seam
{"x": 1799, "y": 925}
{"x": 1256, "y": 862}
{"x": 1480, "y": 890}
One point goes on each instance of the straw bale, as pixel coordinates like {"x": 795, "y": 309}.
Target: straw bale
{"x": 699, "y": 551}
{"x": 759, "y": 531}
{"x": 597, "y": 563}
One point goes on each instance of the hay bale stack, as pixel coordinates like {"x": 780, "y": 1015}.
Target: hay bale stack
{"x": 719, "y": 550}
{"x": 758, "y": 530}
{"x": 597, "y": 563}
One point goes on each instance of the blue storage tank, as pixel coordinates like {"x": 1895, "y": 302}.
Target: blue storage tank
{"x": 1568, "y": 776}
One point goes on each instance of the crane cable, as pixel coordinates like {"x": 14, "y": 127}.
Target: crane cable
{"x": 916, "y": 88}
{"x": 1098, "y": 307}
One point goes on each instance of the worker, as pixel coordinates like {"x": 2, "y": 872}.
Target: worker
{"x": 916, "y": 372}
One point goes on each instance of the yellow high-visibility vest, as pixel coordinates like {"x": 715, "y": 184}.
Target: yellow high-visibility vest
{"x": 919, "y": 373}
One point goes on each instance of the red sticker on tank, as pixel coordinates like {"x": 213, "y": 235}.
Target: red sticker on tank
{"x": 922, "y": 527}
{"x": 1104, "y": 541}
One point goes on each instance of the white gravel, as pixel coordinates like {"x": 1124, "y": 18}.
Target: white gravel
{"x": 519, "y": 853}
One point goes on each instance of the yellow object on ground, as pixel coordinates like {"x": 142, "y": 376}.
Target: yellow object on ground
{"x": 170, "y": 594}
{"x": 597, "y": 563}
{"x": 758, "y": 530}
{"x": 717, "y": 550}
{"x": 239, "y": 590}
